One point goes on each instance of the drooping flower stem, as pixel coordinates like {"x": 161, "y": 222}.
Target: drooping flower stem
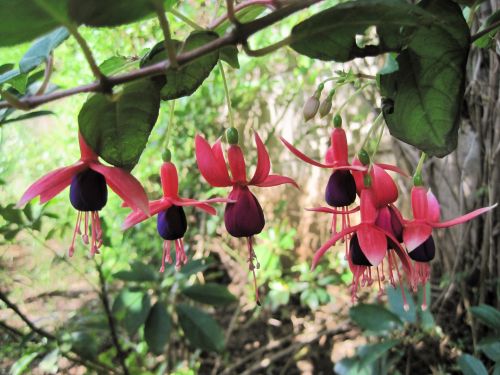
{"x": 226, "y": 91}
{"x": 371, "y": 130}
{"x": 353, "y": 95}
{"x": 185, "y": 19}
{"x": 170, "y": 123}
{"x": 417, "y": 177}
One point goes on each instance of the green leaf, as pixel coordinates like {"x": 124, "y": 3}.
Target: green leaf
{"x": 24, "y": 20}
{"x": 40, "y": 50}
{"x": 11, "y": 214}
{"x": 487, "y": 40}
{"x": 209, "y": 293}
{"x": 487, "y": 315}
{"x": 109, "y": 12}
{"x": 471, "y": 365}
{"x": 139, "y": 272}
{"x": 331, "y": 34}
{"x": 158, "y": 328}
{"x": 118, "y": 128}
{"x": 491, "y": 347}
{"x": 201, "y": 329}
{"x": 424, "y": 96}
{"x": 193, "y": 266}
{"x": 82, "y": 342}
{"x": 372, "y": 352}
{"x": 363, "y": 315}
{"x": 21, "y": 365}
{"x": 396, "y": 304}
{"x": 185, "y": 80}
{"x": 229, "y": 54}
{"x": 496, "y": 370}
{"x": 7, "y": 76}
{"x": 26, "y": 116}
{"x": 117, "y": 64}
{"x": 350, "y": 366}
{"x": 131, "y": 309}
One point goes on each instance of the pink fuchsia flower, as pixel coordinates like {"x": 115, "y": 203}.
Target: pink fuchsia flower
{"x": 340, "y": 191}
{"x": 88, "y": 180}
{"x": 417, "y": 233}
{"x": 243, "y": 216}
{"x": 383, "y": 186}
{"x": 171, "y": 219}
{"x": 369, "y": 245}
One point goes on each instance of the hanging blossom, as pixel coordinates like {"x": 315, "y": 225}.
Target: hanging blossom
{"x": 88, "y": 180}
{"x": 371, "y": 243}
{"x": 417, "y": 233}
{"x": 171, "y": 221}
{"x": 340, "y": 191}
{"x": 243, "y": 216}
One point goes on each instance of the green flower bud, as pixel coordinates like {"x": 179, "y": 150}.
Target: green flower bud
{"x": 418, "y": 180}
{"x": 367, "y": 180}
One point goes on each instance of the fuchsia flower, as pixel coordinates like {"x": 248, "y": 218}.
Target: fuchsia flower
{"x": 243, "y": 216}
{"x": 171, "y": 219}
{"x": 417, "y": 233}
{"x": 340, "y": 191}
{"x": 88, "y": 180}
{"x": 369, "y": 245}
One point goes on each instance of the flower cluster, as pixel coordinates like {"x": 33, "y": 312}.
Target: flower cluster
{"x": 383, "y": 245}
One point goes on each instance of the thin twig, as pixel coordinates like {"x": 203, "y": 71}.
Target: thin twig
{"x": 236, "y": 36}
{"x": 485, "y": 31}
{"x": 230, "y": 13}
{"x": 122, "y": 356}
{"x": 49, "y": 65}
{"x": 266, "y": 50}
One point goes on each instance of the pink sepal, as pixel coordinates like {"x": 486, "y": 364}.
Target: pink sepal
{"x": 464, "y": 218}
{"x": 86, "y": 153}
{"x": 304, "y": 157}
{"x": 237, "y": 164}
{"x": 415, "y": 234}
{"x": 433, "y": 208}
{"x": 275, "y": 179}
{"x": 169, "y": 180}
{"x": 419, "y": 203}
{"x": 125, "y": 186}
{"x": 263, "y": 162}
{"x": 203, "y": 205}
{"x": 322, "y": 250}
{"x": 211, "y": 163}
{"x": 51, "y": 184}
{"x": 392, "y": 168}
{"x": 367, "y": 206}
{"x": 136, "y": 217}
{"x": 329, "y": 210}
{"x": 373, "y": 243}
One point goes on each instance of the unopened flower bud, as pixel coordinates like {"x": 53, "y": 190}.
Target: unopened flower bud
{"x": 337, "y": 121}
{"x": 311, "y": 108}
{"x": 363, "y": 157}
{"x": 166, "y": 156}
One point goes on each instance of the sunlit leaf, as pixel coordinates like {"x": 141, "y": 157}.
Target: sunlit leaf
{"x": 41, "y": 49}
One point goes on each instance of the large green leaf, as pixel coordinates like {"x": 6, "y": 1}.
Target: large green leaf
{"x": 372, "y": 352}
{"x": 331, "y": 34}
{"x": 109, "y": 12}
{"x": 491, "y": 347}
{"x": 41, "y": 49}
{"x": 201, "y": 329}
{"x": 471, "y": 365}
{"x": 209, "y": 293}
{"x": 24, "y": 20}
{"x": 363, "y": 315}
{"x": 424, "y": 96}
{"x": 117, "y": 128}
{"x": 185, "y": 80}
{"x": 158, "y": 328}
{"x": 131, "y": 309}
{"x": 488, "y": 315}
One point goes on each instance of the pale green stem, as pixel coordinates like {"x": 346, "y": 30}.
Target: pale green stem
{"x": 372, "y": 129}
{"x": 352, "y": 97}
{"x": 418, "y": 171}
{"x": 185, "y": 19}
{"x": 170, "y": 123}
{"x": 226, "y": 91}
